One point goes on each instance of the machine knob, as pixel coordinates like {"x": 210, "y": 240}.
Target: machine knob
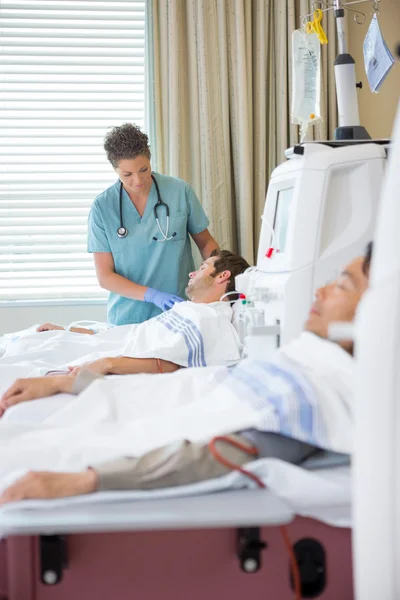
{"x": 250, "y": 565}
{"x": 50, "y": 577}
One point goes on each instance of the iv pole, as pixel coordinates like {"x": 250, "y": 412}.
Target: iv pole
{"x": 346, "y": 87}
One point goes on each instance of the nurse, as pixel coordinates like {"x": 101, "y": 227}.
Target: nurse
{"x": 139, "y": 232}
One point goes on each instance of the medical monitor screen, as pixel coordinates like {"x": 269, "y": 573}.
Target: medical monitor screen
{"x": 281, "y": 221}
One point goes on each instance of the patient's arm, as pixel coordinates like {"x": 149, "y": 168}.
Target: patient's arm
{"x": 164, "y": 467}
{"x": 82, "y": 330}
{"x": 123, "y": 365}
{"x": 53, "y": 327}
{"x": 23, "y": 390}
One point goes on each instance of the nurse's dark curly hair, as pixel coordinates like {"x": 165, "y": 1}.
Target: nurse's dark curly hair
{"x": 124, "y": 142}
{"x": 227, "y": 261}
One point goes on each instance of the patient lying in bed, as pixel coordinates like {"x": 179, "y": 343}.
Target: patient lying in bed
{"x": 191, "y": 334}
{"x": 283, "y": 408}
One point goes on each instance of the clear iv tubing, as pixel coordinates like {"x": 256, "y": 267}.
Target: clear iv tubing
{"x": 241, "y": 317}
{"x": 249, "y": 313}
{"x": 271, "y": 229}
{"x": 230, "y": 294}
{"x": 255, "y": 268}
{"x": 250, "y": 269}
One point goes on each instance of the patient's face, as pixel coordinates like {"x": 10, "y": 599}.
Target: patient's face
{"x": 202, "y": 279}
{"x": 338, "y": 300}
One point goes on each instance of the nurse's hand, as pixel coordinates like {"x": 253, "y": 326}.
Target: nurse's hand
{"x": 163, "y": 300}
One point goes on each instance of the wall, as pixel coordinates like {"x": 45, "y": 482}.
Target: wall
{"x": 377, "y": 111}
{"x": 15, "y": 318}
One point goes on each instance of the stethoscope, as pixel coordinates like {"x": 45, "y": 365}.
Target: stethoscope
{"x": 122, "y": 231}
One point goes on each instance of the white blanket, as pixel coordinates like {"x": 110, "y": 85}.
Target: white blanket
{"x": 305, "y": 392}
{"x": 131, "y": 415}
{"x": 328, "y": 370}
{"x": 125, "y": 415}
{"x": 191, "y": 335}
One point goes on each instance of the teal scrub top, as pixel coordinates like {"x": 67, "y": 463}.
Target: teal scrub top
{"x": 160, "y": 265}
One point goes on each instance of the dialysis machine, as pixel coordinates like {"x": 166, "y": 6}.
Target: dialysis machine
{"x": 319, "y": 214}
{"x": 321, "y": 206}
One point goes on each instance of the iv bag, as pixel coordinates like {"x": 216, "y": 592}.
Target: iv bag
{"x": 378, "y": 59}
{"x": 306, "y": 53}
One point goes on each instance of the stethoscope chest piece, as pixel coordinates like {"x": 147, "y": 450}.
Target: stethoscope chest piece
{"x": 122, "y": 232}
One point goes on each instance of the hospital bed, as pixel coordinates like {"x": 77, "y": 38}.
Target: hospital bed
{"x": 208, "y": 545}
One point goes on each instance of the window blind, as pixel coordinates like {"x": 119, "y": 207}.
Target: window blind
{"x": 69, "y": 70}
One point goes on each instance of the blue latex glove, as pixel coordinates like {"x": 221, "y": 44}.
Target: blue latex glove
{"x": 163, "y": 300}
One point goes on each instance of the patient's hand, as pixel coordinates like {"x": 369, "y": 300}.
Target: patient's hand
{"x": 49, "y": 327}
{"x": 46, "y": 485}
{"x": 23, "y": 390}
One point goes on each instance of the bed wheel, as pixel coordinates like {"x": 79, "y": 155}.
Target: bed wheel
{"x": 310, "y": 556}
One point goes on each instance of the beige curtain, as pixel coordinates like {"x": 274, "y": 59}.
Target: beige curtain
{"x": 221, "y": 100}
